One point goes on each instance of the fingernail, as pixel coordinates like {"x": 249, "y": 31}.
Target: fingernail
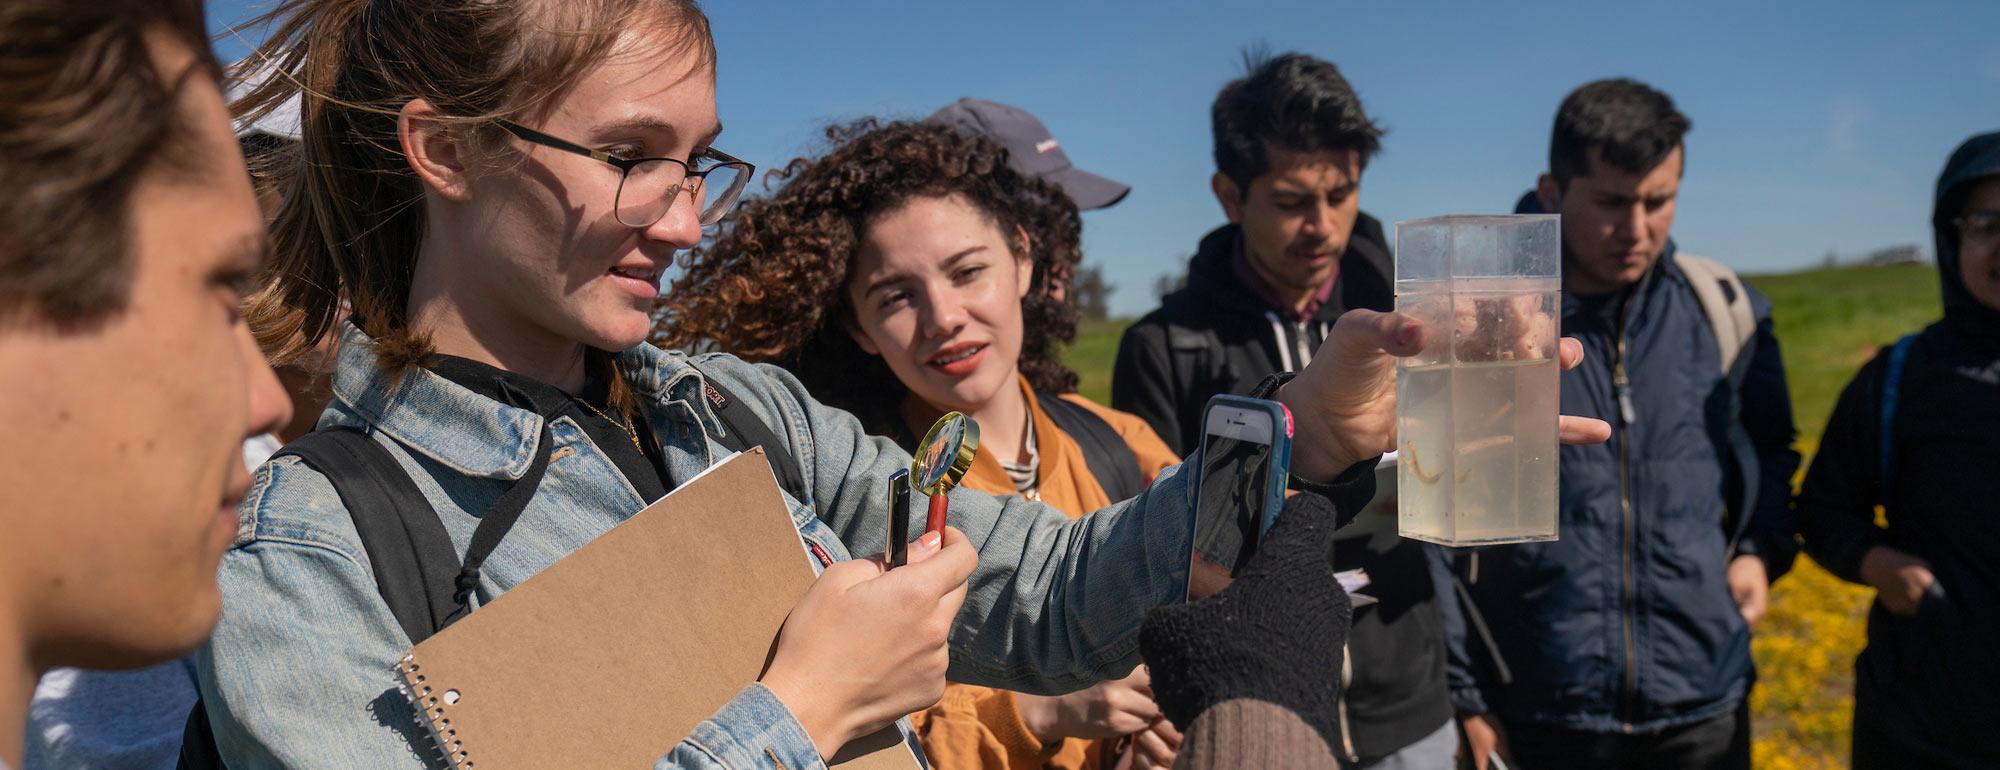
{"x": 931, "y": 541}
{"x": 1407, "y": 334}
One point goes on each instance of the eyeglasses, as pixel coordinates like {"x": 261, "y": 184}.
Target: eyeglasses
{"x": 1982, "y": 226}
{"x": 647, "y": 187}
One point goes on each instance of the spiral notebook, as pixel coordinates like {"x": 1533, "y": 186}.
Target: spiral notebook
{"x": 612, "y": 655}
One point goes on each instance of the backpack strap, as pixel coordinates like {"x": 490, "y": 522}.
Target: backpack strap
{"x": 744, "y": 429}
{"x": 409, "y": 551}
{"x": 416, "y": 568}
{"x": 1105, "y": 452}
{"x": 1727, "y": 305}
{"x": 1892, "y": 390}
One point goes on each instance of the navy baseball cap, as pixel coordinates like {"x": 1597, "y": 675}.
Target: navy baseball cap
{"x": 1031, "y": 149}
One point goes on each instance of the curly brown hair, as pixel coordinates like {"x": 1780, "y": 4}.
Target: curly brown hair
{"x": 771, "y": 286}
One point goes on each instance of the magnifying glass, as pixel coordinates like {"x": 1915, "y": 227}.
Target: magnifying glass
{"x": 941, "y": 461}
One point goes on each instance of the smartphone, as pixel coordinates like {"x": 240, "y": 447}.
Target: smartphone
{"x": 1246, "y": 458}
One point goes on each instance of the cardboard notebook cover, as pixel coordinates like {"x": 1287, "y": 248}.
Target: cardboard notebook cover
{"x": 612, "y": 655}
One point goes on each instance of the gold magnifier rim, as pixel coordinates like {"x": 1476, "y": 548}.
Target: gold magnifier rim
{"x": 961, "y": 461}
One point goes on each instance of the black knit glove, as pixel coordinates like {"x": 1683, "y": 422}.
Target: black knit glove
{"x": 1275, "y": 634}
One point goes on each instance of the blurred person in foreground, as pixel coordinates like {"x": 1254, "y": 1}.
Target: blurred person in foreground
{"x": 1291, "y": 144}
{"x": 1916, "y": 435}
{"x": 128, "y": 380}
{"x": 1626, "y": 642}
{"x": 82, "y": 718}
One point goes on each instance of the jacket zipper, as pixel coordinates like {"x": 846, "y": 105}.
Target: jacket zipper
{"x": 1621, "y": 386}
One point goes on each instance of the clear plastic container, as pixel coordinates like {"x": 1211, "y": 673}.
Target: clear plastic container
{"x": 1476, "y": 410}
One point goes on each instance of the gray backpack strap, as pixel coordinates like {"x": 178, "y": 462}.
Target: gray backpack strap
{"x": 1727, "y": 305}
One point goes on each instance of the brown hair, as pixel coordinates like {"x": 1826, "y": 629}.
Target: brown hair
{"x": 83, "y": 114}
{"x": 353, "y": 214}
{"x": 773, "y": 285}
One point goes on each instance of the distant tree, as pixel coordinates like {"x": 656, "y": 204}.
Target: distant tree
{"x": 1832, "y": 259}
{"x": 1091, "y": 293}
{"x": 1170, "y": 282}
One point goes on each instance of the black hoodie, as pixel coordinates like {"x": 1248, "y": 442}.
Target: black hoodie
{"x": 1217, "y": 336}
{"x": 1926, "y": 687}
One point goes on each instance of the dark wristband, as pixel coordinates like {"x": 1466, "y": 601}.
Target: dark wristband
{"x": 1351, "y": 490}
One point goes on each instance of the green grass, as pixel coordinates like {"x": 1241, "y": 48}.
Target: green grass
{"x": 1829, "y": 323}
{"x": 1091, "y": 356}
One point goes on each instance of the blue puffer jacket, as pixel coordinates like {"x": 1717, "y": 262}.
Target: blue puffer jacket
{"x": 1626, "y": 623}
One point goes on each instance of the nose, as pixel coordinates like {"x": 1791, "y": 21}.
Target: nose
{"x": 943, "y": 314}
{"x": 680, "y": 227}
{"x": 1633, "y": 224}
{"x": 1320, "y": 222}
{"x": 270, "y": 407}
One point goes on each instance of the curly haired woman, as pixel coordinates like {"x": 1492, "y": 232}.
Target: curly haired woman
{"x": 898, "y": 277}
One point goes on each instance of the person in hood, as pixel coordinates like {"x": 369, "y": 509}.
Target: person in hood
{"x": 1291, "y": 142}
{"x": 1626, "y": 643}
{"x": 1923, "y": 443}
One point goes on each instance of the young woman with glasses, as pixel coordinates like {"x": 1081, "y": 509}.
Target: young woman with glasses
{"x": 501, "y": 290}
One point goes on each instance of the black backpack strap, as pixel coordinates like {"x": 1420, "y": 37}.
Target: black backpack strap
{"x": 746, "y": 430}
{"x": 1892, "y": 392}
{"x": 416, "y": 568}
{"x": 1110, "y": 459}
{"x": 408, "y": 549}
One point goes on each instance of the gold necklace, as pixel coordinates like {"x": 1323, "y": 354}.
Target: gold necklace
{"x": 630, "y": 431}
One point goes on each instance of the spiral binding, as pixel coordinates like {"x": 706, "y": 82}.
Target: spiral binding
{"x": 430, "y": 714}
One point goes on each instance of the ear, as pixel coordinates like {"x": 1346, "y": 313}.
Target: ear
{"x": 435, "y": 150}
{"x": 1229, "y": 195}
{"x": 1549, "y": 194}
{"x": 1024, "y": 262}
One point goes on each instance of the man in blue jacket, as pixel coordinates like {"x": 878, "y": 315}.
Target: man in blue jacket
{"x": 1626, "y": 643}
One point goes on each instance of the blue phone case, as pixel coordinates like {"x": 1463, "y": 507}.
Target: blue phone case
{"x": 1281, "y": 452}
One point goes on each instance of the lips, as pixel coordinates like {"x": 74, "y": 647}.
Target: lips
{"x": 226, "y": 518}
{"x": 958, "y": 360}
{"x": 639, "y": 280}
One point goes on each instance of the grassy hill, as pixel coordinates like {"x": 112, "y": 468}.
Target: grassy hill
{"x": 1829, "y": 322}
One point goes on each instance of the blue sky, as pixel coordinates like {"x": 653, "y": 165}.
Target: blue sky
{"x": 1817, "y": 125}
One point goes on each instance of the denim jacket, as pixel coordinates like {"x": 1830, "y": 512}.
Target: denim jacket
{"x": 299, "y": 672}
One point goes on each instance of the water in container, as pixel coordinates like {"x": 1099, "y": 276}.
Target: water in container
{"x": 1476, "y": 411}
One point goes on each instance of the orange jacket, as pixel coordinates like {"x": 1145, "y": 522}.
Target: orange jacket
{"x": 979, "y": 728}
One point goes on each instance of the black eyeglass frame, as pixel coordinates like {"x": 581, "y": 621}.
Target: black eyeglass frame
{"x": 625, "y": 166}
